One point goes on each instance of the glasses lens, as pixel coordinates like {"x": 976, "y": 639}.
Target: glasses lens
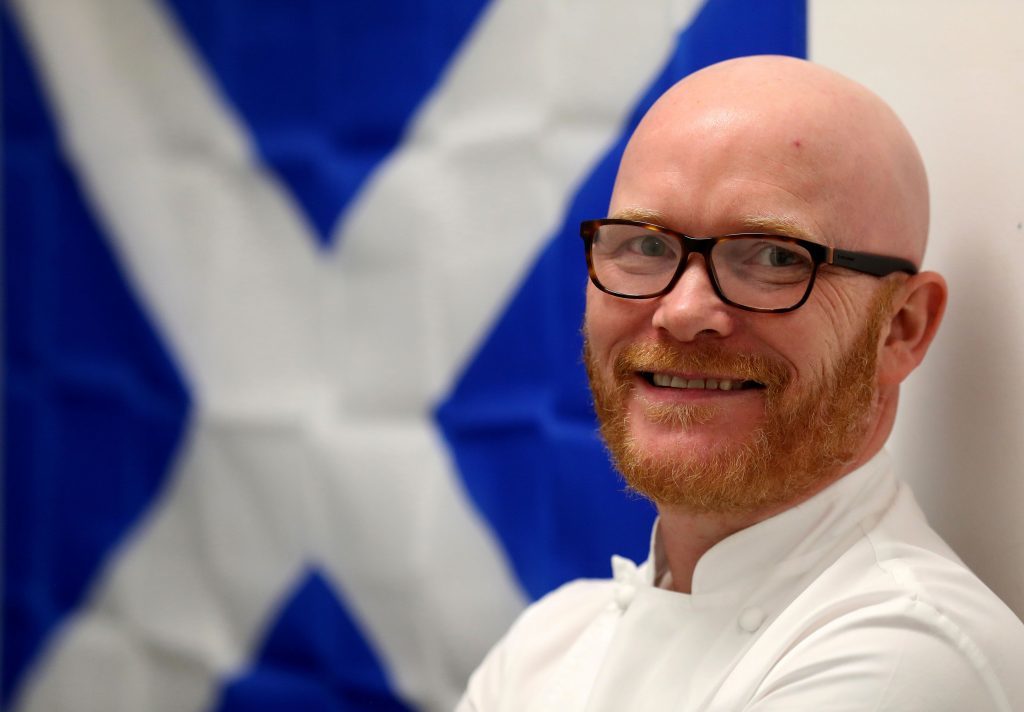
{"x": 762, "y": 272}
{"x": 633, "y": 260}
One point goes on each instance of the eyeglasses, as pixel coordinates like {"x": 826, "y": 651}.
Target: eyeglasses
{"x": 752, "y": 271}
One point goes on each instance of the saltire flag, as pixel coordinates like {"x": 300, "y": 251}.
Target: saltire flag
{"x": 294, "y": 413}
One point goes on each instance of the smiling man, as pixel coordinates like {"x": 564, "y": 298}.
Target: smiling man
{"x": 754, "y": 304}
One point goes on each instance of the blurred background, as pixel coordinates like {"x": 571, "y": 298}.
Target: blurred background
{"x": 294, "y": 414}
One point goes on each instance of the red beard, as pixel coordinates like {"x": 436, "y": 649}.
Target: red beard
{"x": 802, "y": 443}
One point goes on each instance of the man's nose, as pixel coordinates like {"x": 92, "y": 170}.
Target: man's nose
{"x": 693, "y": 308}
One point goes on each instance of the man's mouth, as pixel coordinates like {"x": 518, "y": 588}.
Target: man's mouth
{"x": 667, "y": 380}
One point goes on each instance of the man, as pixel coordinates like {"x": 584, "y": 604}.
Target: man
{"x": 746, "y": 384}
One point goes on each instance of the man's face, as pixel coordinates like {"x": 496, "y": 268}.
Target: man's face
{"x": 797, "y": 403}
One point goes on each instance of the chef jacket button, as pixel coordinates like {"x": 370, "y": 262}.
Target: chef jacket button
{"x": 624, "y": 595}
{"x": 751, "y": 619}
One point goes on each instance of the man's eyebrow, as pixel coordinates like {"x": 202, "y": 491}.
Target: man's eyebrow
{"x": 777, "y": 225}
{"x": 772, "y": 224}
{"x": 639, "y": 215}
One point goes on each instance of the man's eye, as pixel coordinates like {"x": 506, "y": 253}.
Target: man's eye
{"x": 777, "y": 256}
{"x": 652, "y": 246}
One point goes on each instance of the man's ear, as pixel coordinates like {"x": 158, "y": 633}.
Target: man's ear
{"x": 918, "y": 308}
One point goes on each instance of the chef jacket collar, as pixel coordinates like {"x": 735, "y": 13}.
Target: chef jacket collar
{"x": 788, "y": 544}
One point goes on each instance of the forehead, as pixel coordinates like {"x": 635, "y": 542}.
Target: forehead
{"x": 713, "y": 170}
{"x": 712, "y": 162}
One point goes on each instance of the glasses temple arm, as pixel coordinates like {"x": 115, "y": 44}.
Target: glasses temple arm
{"x": 877, "y": 265}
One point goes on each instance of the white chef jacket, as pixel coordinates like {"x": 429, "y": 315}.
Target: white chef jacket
{"x": 848, "y": 601}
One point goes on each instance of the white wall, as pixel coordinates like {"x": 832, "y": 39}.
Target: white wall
{"x": 954, "y": 71}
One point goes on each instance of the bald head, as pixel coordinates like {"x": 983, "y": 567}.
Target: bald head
{"x": 760, "y": 142}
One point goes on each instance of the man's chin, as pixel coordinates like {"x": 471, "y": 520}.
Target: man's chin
{"x": 683, "y": 428}
{"x": 669, "y": 442}
{"x": 697, "y": 471}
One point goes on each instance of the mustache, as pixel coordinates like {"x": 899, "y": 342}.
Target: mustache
{"x": 706, "y": 358}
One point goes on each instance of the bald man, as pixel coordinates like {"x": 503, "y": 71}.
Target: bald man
{"x": 755, "y": 301}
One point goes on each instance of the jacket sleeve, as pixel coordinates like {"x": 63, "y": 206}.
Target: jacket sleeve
{"x": 534, "y": 656}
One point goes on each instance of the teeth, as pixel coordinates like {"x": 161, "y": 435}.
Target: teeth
{"x": 666, "y": 381}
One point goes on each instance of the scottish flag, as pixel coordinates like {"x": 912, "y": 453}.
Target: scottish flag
{"x": 294, "y": 411}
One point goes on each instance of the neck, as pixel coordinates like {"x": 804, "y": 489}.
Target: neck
{"x": 686, "y": 536}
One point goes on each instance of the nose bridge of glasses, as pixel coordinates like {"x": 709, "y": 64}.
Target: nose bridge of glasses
{"x": 695, "y": 263}
{"x": 697, "y": 246}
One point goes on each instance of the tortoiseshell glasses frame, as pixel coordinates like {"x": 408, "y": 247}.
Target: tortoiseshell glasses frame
{"x": 757, "y": 272}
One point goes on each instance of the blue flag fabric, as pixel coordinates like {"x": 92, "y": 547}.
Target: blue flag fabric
{"x": 294, "y": 410}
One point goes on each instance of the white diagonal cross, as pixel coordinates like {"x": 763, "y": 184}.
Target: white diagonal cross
{"x": 314, "y": 376}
